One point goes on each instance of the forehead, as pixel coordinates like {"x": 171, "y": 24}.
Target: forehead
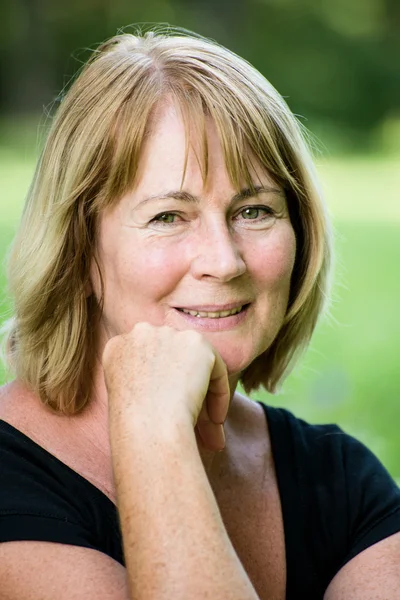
{"x": 174, "y": 156}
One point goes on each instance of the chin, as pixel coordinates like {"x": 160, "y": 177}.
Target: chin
{"x": 235, "y": 364}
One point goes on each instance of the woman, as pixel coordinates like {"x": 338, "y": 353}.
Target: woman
{"x": 174, "y": 243}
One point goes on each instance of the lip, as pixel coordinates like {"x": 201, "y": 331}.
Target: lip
{"x": 214, "y": 307}
{"x": 221, "y": 324}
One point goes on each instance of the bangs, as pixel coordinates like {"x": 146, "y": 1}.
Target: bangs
{"x": 251, "y": 136}
{"x": 196, "y": 110}
{"x": 130, "y": 132}
{"x": 124, "y": 138}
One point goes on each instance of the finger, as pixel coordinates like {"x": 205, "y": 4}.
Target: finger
{"x": 209, "y": 432}
{"x": 218, "y": 393}
{"x": 212, "y": 436}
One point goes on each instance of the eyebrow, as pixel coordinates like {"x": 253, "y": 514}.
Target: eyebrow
{"x": 190, "y": 198}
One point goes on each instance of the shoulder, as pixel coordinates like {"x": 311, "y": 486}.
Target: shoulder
{"x": 318, "y": 450}
{"x": 43, "y": 499}
{"x": 334, "y": 490}
{"x": 21, "y": 409}
{"x": 326, "y": 456}
{"x": 19, "y": 406}
{"x": 284, "y": 437}
{"x": 35, "y": 570}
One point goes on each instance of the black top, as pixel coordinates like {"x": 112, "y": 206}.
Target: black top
{"x": 337, "y": 499}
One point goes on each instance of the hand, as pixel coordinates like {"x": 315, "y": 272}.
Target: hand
{"x": 169, "y": 374}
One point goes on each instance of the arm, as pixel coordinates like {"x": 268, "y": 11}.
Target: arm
{"x": 48, "y": 571}
{"x": 176, "y": 545}
{"x": 371, "y": 569}
{"x": 34, "y": 570}
{"x": 374, "y": 574}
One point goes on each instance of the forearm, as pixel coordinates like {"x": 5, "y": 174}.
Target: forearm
{"x": 175, "y": 543}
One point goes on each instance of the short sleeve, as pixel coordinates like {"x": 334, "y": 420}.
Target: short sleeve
{"x": 34, "y": 526}
{"x": 42, "y": 499}
{"x": 337, "y": 499}
{"x": 373, "y": 498}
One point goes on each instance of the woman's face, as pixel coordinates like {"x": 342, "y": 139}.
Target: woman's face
{"x": 196, "y": 257}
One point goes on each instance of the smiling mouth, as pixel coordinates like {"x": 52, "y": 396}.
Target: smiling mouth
{"x": 214, "y": 315}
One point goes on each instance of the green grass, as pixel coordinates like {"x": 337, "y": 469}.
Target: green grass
{"x": 351, "y": 373}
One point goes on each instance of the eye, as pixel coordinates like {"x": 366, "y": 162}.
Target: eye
{"x": 165, "y": 218}
{"x": 256, "y": 213}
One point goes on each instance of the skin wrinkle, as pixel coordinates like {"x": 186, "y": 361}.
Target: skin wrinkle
{"x": 188, "y": 197}
{"x": 141, "y": 213}
{"x": 147, "y": 271}
{"x": 218, "y": 294}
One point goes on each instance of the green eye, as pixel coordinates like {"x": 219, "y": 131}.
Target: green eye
{"x": 257, "y": 216}
{"x": 251, "y": 212}
{"x": 166, "y": 218}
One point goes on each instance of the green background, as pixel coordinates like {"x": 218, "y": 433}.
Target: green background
{"x": 337, "y": 64}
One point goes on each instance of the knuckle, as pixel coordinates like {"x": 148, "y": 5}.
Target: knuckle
{"x": 194, "y": 337}
{"x": 141, "y": 327}
{"x": 166, "y": 329}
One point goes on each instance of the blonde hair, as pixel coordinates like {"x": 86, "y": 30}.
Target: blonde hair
{"x": 90, "y": 160}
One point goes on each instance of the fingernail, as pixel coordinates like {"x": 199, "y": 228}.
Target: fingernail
{"x": 224, "y": 438}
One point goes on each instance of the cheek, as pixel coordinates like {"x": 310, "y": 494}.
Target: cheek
{"x": 139, "y": 274}
{"x": 159, "y": 273}
{"x": 273, "y": 264}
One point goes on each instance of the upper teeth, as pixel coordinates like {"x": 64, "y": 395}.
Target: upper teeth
{"x": 212, "y": 315}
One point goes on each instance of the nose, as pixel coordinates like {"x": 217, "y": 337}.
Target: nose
{"x": 216, "y": 253}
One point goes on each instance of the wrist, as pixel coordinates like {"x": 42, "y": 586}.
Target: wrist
{"x": 141, "y": 431}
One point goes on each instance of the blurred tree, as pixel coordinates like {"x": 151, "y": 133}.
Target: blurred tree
{"x": 26, "y": 56}
{"x": 336, "y": 62}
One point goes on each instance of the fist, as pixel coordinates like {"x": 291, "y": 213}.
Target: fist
{"x": 169, "y": 375}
